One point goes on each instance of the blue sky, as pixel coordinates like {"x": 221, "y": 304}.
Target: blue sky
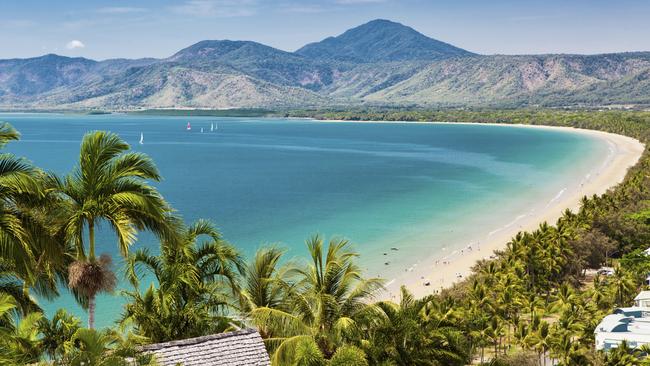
{"x": 146, "y": 28}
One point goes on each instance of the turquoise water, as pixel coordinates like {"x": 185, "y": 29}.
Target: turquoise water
{"x": 416, "y": 186}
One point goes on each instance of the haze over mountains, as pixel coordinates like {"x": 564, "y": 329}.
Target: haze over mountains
{"x": 377, "y": 63}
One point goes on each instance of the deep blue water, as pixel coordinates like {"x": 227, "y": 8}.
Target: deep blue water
{"x": 279, "y": 181}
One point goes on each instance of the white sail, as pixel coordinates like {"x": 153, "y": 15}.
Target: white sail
{"x": 141, "y": 138}
{"x": 211, "y": 127}
{"x": 201, "y": 129}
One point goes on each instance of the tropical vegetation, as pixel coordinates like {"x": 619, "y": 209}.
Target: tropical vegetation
{"x": 533, "y": 304}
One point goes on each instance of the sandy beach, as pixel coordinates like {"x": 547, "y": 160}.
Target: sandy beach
{"x": 454, "y": 264}
{"x": 447, "y": 268}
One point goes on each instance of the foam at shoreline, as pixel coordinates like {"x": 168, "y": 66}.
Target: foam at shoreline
{"x": 443, "y": 270}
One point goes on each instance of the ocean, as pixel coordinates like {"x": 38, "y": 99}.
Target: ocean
{"x": 416, "y": 187}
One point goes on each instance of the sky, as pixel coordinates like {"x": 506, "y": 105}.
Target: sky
{"x": 102, "y": 29}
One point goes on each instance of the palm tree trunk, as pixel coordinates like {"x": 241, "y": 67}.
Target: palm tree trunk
{"x": 91, "y": 240}
{"x": 91, "y": 312}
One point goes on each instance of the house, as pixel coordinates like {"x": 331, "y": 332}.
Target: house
{"x": 240, "y": 348}
{"x": 642, "y": 299}
{"x": 631, "y": 324}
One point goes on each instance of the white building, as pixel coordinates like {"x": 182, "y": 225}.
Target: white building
{"x": 642, "y": 299}
{"x": 630, "y": 324}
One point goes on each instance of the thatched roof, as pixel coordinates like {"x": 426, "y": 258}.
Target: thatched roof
{"x": 240, "y": 348}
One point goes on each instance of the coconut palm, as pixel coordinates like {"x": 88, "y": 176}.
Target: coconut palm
{"x": 623, "y": 286}
{"x": 264, "y": 283}
{"x": 19, "y": 342}
{"x": 29, "y": 248}
{"x": 56, "y": 332}
{"x": 349, "y": 356}
{"x": 415, "y": 332}
{"x": 328, "y": 298}
{"x": 102, "y": 348}
{"x": 108, "y": 185}
{"x": 196, "y": 286}
{"x": 11, "y": 284}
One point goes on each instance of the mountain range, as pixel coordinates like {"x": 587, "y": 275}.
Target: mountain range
{"x": 380, "y": 63}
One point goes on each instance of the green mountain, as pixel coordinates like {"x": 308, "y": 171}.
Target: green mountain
{"x": 549, "y": 80}
{"x": 381, "y": 41}
{"x": 378, "y": 63}
{"x": 257, "y": 60}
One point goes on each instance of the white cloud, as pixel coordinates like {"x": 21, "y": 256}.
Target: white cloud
{"x": 74, "y": 44}
{"x": 216, "y": 8}
{"x": 120, "y": 10}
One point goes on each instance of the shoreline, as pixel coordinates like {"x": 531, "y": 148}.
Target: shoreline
{"x": 445, "y": 269}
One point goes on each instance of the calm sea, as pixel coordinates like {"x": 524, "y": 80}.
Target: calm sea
{"x": 418, "y": 187}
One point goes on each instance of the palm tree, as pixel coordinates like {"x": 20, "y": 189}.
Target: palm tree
{"x": 29, "y": 248}
{"x": 348, "y": 356}
{"x": 623, "y": 285}
{"x": 414, "y": 332}
{"x": 56, "y": 332}
{"x": 11, "y": 284}
{"x": 326, "y": 301}
{"x": 19, "y": 343}
{"x": 108, "y": 185}
{"x": 305, "y": 353}
{"x": 196, "y": 283}
{"x": 264, "y": 283}
{"x": 102, "y": 348}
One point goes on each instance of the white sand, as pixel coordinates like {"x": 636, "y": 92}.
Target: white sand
{"x": 442, "y": 273}
{"x": 445, "y": 269}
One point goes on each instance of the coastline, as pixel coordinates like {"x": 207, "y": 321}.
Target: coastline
{"x": 446, "y": 269}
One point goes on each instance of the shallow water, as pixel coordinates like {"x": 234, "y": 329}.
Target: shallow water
{"x": 419, "y": 187}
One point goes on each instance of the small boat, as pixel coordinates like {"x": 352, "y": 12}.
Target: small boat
{"x": 189, "y": 127}
{"x": 216, "y": 127}
{"x": 211, "y": 127}
{"x": 141, "y": 138}
{"x": 201, "y": 129}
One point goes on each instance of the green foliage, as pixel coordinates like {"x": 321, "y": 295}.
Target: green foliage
{"x": 416, "y": 331}
{"x": 307, "y": 353}
{"x": 109, "y": 184}
{"x": 531, "y": 300}
{"x": 57, "y": 332}
{"x": 325, "y": 302}
{"x": 348, "y": 356}
{"x": 194, "y": 282}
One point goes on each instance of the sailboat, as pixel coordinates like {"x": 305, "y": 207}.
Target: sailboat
{"x": 216, "y": 127}
{"x": 141, "y": 138}
{"x": 201, "y": 129}
{"x": 189, "y": 127}
{"x": 211, "y": 127}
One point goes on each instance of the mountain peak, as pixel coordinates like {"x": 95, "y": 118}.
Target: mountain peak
{"x": 381, "y": 40}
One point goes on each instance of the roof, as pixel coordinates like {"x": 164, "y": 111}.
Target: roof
{"x": 240, "y": 348}
{"x": 634, "y": 311}
{"x": 643, "y": 295}
{"x": 613, "y": 323}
